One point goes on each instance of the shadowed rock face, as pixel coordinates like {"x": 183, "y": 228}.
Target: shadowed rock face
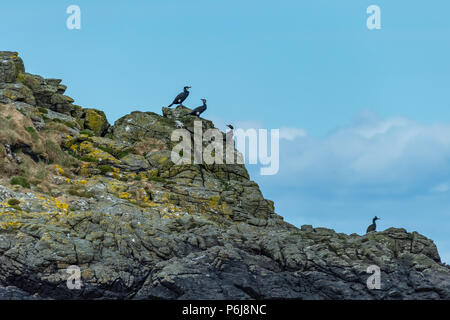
{"x": 76, "y": 191}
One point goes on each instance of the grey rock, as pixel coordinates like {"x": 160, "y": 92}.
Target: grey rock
{"x": 135, "y": 162}
{"x": 140, "y": 227}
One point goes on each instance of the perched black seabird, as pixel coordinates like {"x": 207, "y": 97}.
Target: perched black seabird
{"x": 373, "y": 226}
{"x": 181, "y": 97}
{"x": 199, "y": 110}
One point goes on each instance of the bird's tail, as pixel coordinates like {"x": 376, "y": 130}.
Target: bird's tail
{"x": 170, "y": 105}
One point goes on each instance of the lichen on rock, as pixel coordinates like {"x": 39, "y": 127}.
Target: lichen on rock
{"x": 75, "y": 190}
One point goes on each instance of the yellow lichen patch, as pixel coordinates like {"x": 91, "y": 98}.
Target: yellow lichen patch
{"x": 86, "y": 165}
{"x": 162, "y": 160}
{"x": 10, "y": 225}
{"x": 84, "y": 171}
{"x": 131, "y": 175}
{"x": 170, "y": 211}
{"x": 86, "y": 147}
{"x": 120, "y": 189}
{"x": 69, "y": 142}
{"x": 124, "y": 195}
{"x": 116, "y": 175}
{"x": 79, "y": 182}
{"x": 59, "y": 169}
{"x": 61, "y": 205}
{"x": 226, "y": 209}
{"x": 152, "y": 173}
{"x": 115, "y": 186}
{"x": 214, "y": 202}
{"x": 95, "y": 120}
{"x": 152, "y": 204}
{"x": 9, "y": 94}
{"x": 101, "y": 155}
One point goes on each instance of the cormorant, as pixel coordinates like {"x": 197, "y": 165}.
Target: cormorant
{"x": 373, "y": 226}
{"x": 199, "y": 110}
{"x": 181, "y": 97}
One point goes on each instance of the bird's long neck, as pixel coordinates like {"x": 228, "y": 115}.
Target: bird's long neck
{"x": 186, "y": 90}
{"x": 374, "y": 220}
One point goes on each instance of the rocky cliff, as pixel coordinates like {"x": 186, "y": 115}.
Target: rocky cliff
{"x": 75, "y": 190}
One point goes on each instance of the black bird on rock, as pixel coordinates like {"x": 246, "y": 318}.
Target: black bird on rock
{"x": 373, "y": 226}
{"x": 181, "y": 97}
{"x": 199, "y": 110}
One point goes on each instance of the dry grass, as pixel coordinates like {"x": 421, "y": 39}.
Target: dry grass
{"x": 7, "y": 166}
{"x": 18, "y": 130}
{"x": 14, "y": 129}
{"x": 149, "y": 144}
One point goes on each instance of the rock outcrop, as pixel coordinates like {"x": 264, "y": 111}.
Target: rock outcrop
{"x": 75, "y": 190}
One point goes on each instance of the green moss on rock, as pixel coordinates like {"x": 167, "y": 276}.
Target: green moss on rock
{"x": 21, "y": 181}
{"x": 95, "y": 121}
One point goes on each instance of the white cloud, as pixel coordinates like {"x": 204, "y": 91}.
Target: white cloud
{"x": 373, "y": 156}
{"x": 291, "y": 133}
{"x": 443, "y": 187}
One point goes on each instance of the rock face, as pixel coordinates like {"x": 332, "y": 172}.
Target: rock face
{"x": 108, "y": 199}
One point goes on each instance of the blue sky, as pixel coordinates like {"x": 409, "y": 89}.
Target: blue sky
{"x": 374, "y": 104}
